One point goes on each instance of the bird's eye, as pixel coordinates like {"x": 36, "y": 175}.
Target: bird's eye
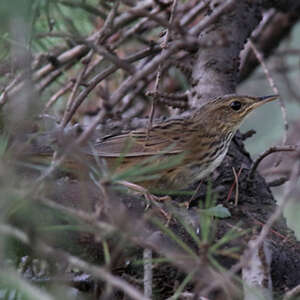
{"x": 236, "y": 105}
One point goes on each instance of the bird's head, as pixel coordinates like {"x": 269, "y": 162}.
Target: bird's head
{"x": 230, "y": 110}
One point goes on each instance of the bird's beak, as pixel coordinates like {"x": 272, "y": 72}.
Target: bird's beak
{"x": 266, "y": 99}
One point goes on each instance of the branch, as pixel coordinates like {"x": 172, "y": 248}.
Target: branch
{"x": 269, "y": 38}
{"x": 216, "y": 69}
{"x": 286, "y": 148}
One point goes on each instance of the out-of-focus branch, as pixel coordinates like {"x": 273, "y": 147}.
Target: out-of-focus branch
{"x": 97, "y": 271}
{"x": 286, "y": 148}
{"x": 267, "y": 41}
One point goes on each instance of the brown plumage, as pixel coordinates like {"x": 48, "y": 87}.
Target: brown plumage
{"x": 200, "y": 141}
{"x": 179, "y": 150}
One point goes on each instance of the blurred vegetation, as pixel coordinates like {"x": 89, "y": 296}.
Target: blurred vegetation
{"x": 49, "y": 250}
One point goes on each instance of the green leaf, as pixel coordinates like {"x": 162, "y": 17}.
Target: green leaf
{"x": 218, "y": 211}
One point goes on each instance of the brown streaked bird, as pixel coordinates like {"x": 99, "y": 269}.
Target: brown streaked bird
{"x": 202, "y": 139}
{"x": 198, "y": 142}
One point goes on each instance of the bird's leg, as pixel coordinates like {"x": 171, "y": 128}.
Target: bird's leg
{"x": 188, "y": 203}
{"x": 150, "y": 198}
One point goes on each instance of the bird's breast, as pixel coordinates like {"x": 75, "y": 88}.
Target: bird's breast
{"x": 207, "y": 157}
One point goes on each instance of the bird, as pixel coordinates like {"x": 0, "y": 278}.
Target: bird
{"x": 174, "y": 153}
{"x": 179, "y": 151}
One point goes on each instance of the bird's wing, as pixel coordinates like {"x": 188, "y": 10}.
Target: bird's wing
{"x": 162, "y": 138}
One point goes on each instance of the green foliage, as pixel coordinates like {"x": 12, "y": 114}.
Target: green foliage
{"x": 218, "y": 211}
{"x": 13, "y": 287}
{"x": 208, "y": 249}
{"x": 183, "y": 284}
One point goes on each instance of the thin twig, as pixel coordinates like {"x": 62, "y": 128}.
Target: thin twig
{"x": 177, "y": 100}
{"x": 154, "y": 98}
{"x": 108, "y": 24}
{"x": 77, "y": 51}
{"x": 193, "y": 197}
{"x": 8, "y": 87}
{"x": 92, "y": 83}
{"x": 62, "y": 59}
{"x": 236, "y": 182}
{"x": 148, "y": 68}
{"x": 233, "y": 185}
{"x": 271, "y": 81}
{"x": 134, "y": 29}
{"x": 208, "y": 20}
{"x": 194, "y": 12}
{"x": 46, "y": 81}
{"x": 248, "y": 134}
{"x": 278, "y": 181}
{"x": 267, "y": 18}
{"x": 58, "y": 94}
{"x": 291, "y": 87}
{"x": 147, "y": 260}
{"x": 286, "y": 148}
{"x": 64, "y": 89}
{"x": 159, "y": 71}
{"x": 158, "y": 20}
{"x": 95, "y": 48}
{"x": 110, "y": 56}
{"x": 73, "y": 93}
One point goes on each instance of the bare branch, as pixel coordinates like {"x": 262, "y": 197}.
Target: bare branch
{"x": 286, "y": 148}
{"x": 275, "y": 89}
